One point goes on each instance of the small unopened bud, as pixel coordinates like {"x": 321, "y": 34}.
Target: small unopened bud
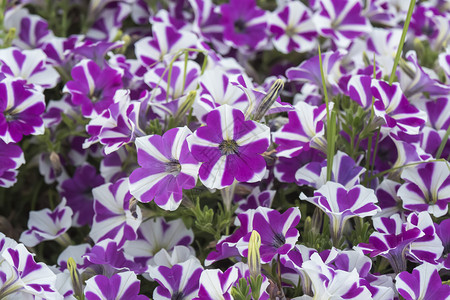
{"x": 254, "y": 259}
{"x": 56, "y": 163}
{"x": 269, "y": 99}
{"x": 75, "y": 276}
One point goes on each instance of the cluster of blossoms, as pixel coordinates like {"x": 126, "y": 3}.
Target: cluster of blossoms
{"x": 242, "y": 150}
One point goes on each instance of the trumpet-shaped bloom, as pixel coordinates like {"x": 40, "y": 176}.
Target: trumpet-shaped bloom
{"x": 230, "y": 148}
{"x": 426, "y": 188}
{"x": 115, "y": 218}
{"x": 123, "y": 285}
{"x": 45, "y": 225}
{"x": 167, "y": 167}
{"x": 21, "y": 106}
{"x": 293, "y": 28}
{"x": 341, "y": 204}
{"x": 424, "y": 283}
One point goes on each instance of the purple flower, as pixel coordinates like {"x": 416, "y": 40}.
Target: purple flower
{"x": 21, "y": 106}
{"x": 309, "y": 71}
{"x": 423, "y": 283}
{"x": 230, "y": 148}
{"x": 286, "y": 168}
{"x": 426, "y": 188}
{"x": 113, "y": 217}
{"x": 11, "y": 158}
{"x": 293, "y": 28}
{"x": 45, "y": 225}
{"x": 93, "y": 88}
{"x": 257, "y": 198}
{"x": 388, "y": 200}
{"x": 109, "y": 21}
{"x": 244, "y": 24}
{"x": 277, "y": 231}
{"x": 344, "y": 171}
{"x": 304, "y": 130}
{"x": 341, "y": 20}
{"x": 20, "y": 276}
{"x": 391, "y": 240}
{"x": 165, "y": 42}
{"x": 215, "y": 284}
{"x": 178, "y": 282}
{"x": 78, "y": 192}
{"x": 167, "y": 167}
{"x": 122, "y": 286}
{"x": 341, "y": 204}
{"x": 29, "y": 65}
{"x": 156, "y": 234}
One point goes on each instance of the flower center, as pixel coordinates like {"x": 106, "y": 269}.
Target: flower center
{"x": 278, "y": 240}
{"x": 228, "y": 147}
{"x": 239, "y": 26}
{"x": 173, "y": 166}
{"x": 290, "y": 31}
{"x": 177, "y": 296}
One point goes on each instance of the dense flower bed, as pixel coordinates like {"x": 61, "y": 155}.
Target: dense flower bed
{"x": 199, "y": 149}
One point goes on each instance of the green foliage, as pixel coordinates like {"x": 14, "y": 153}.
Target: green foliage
{"x": 241, "y": 290}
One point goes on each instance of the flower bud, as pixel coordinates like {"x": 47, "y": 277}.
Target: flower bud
{"x": 254, "y": 259}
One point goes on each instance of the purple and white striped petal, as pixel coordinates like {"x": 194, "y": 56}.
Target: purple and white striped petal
{"x": 11, "y": 158}
{"x": 216, "y": 285}
{"x": 341, "y": 20}
{"x": 305, "y": 129}
{"x": 293, "y": 28}
{"x": 341, "y": 204}
{"x": 155, "y": 234}
{"x": 121, "y": 286}
{"x": 178, "y": 282}
{"x": 423, "y": 283}
{"x": 29, "y": 65}
{"x": 165, "y": 42}
{"x": 113, "y": 217}
{"x": 46, "y": 225}
{"x": 230, "y": 148}
{"x": 21, "y": 107}
{"x": 167, "y": 167}
{"x": 426, "y": 188}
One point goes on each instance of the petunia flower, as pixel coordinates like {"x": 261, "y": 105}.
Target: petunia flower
{"x": 114, "y": 217}
{"x": 293, "y": 28}
{"x": 216, "y": 285}
{"x": 230, "y": 148}
{"x": 156, "y": 234}
{"x": 21, "y": 106}
{"x": 29, "y": 65}
{"x": 424, "y": 283}
{"x": 11, "y": 158}
{"x": 341, "y": 20}
{"x": 92, "y": 87}
{"x": 20, "y": 276}
{"x": 244, "y": 24}
{"x": 124, "y": 285}
{"x": 167, "y": 167}
{"x": 45, "y": 225}
{"x": 426, "y": 188}
{"x": 340, "y": 204}
{"x": 181, "y": 281}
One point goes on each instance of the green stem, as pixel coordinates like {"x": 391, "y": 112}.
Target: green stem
{"x": 442, "y": 145}
{"x": 330, "y": 122}
{"x": 404, "y": 166}
{"x": 412, "y": 3}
